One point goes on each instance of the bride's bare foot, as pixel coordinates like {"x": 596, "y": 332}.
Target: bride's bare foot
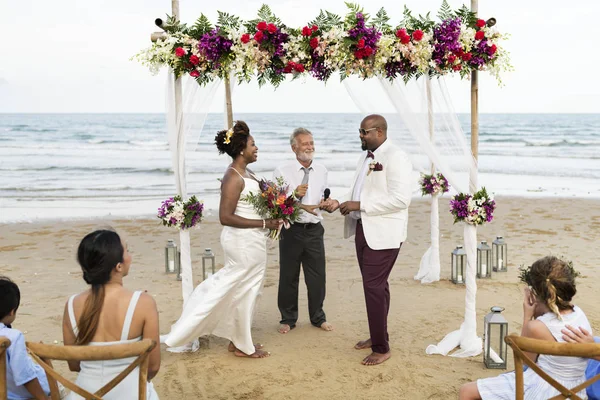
{"x": 326, "y": 326}
{"x": 256, "y": 354}
{"x": 376, "y": 358}
{"x": 231, "y": 348}
{"x": 363, "y": 344}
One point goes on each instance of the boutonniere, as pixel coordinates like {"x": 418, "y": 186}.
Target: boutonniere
{"x": 375, "y": 166}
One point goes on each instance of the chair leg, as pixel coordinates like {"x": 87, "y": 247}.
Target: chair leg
{"x": 519, "y": 385}
{"x": 143, "y": 382}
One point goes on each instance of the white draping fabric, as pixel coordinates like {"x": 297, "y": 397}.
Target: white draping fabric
{"x": 429, "y": 268}
{"x": 187, "y": 106}
{"x": 416, "y": 107}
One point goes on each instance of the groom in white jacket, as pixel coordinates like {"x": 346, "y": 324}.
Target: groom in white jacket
{"x": 376, "y": 211}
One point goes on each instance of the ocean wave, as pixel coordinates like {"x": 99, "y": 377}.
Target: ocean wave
{"x": 91, "y": 169}
{"x": 27, "y": 128}
{"x": 562, "y": 143}
{"x": 148, "y": 143}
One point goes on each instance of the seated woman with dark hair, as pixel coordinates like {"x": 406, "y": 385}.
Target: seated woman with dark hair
{"x": 108, "y": 313}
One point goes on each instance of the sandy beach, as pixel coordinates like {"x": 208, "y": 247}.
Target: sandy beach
{"x": 309, "y": 363}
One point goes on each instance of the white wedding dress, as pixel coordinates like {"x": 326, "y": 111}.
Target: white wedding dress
{"x": 224, "y": 304}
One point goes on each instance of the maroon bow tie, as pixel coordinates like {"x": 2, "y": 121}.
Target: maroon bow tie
{"x": 370, "y": 154}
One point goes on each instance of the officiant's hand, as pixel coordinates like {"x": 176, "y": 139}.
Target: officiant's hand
{"x": 301, "y": 190}
{"x": 329, "y": 205}
{"x": 348, "y": 206}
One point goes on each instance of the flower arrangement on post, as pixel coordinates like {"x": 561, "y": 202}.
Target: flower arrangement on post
{"x": 475, "y": 210}
{"x": 274, "y": 202}
{"x": 181, "y": 214}
{"x": 433, "y": 184}
{"x": 361, "y": 44}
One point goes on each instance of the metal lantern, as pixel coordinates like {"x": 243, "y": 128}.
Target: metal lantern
{"x": 495, "y": 349}
{"x": 178, "y": 265}
{"x": 208, "y": 255}
{"x": 171, "y": 259}
{"x": 484, "y": 260}
{"x": 458, "y": 265}
{"x": 500, "y": 254}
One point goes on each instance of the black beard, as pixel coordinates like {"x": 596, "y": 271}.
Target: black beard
{"x": 363, "y": 146}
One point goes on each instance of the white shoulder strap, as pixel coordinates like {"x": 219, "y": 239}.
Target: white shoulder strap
{"x": 129, "y": 315}
{"x": 238, "y": 172}
{"x": 72, "y": 315}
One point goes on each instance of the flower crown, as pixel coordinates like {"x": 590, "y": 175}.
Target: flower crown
{"x": 229, "y": 134}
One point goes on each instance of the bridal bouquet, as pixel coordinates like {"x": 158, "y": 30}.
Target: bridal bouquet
{"x": 181, "y": 214}
{"x": 433, "y": 184}
{"x": 475, "y": 210}
{"x": 273, "y": 202}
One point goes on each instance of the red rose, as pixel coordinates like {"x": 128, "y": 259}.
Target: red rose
{"x": 368, "y": 51}
{"x": 479, "y": 35}
{"x": 306, "y": 31}
{"x": 361, "y": 43}
{"x": 451, "y": 59}
{"x": 287, "y": 69}
{"x": 459, "y": 52}
{"x": 467, "y": 56}
{"x": 245, "y": 38}
{"x": 417, "y": 35}
{"x": 457, "y": 67}
{"x": 400, "y": 33}
{"x": 404, "y": 39}
{"x": 271, "y": 28}
{"x": 492, "y": 49}
{"x": 261, "y": 26}
{"x": 314, "y": 43}
{"x": 359, "y": 54}
{"x": 315, "y": 28}
{"x": 195, "y": 74}
{"x": 179, "y": 52}
{"x": 299, "y": 68}
{"x": 258, "y": 36}
{"x": 194, "y": 60}
{"x": 480, "y": 23}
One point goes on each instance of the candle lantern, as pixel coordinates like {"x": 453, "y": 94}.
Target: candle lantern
{"x": 171, "y": 259}
{"x": 484, "y": 260}
{"x": 178, "y": 264}
{"x": 499, "y": 254}
{"x": 208, "y": 257}
{"x": 458, "y": 265}
{"x": 495, "y": 349}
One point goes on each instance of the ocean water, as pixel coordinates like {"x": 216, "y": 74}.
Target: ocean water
{"x": 82, "y": 165}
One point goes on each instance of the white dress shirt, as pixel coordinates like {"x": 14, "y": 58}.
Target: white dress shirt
{"x": 293, "y": 173}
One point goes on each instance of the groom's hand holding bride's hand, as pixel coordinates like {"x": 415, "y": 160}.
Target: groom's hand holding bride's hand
{"x": 329, "y": 205}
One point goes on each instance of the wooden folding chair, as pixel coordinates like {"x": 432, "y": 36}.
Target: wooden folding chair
{"x": 44, "y": 353}
{"x": 520, "y": 345}
{"x": 4, "y": 343}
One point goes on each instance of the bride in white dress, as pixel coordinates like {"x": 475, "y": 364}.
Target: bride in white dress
{"x": 224, "y": 304}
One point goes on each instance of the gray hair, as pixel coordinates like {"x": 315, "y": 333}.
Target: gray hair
{"x": 297, "y": 132}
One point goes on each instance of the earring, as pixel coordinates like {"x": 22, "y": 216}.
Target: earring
{"x": 242, "y": 153}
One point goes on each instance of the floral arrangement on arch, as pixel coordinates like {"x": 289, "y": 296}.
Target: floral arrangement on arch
{"x": 475, "y": 209}
{"x": 181, "y": 214}
{"x": 356, "y": 45}
{"x": 434, "y": 184}
{"x": 274, "y": 202}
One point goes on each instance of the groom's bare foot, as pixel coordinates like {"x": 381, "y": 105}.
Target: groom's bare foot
{"x": 326, "y": 326}
{"x": 256, "y": 354}
{"x": 363, "y": 344}
{"x": 376, "y": 358}
{"x": 231, "y": 348}
{"x": 284, "y": 328}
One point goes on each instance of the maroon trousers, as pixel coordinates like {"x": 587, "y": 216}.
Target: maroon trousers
{"x": 375, "y": 267}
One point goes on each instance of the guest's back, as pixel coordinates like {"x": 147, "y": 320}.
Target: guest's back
{"x": 109, "y": 314}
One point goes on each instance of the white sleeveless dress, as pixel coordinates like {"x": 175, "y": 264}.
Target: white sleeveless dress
{"x": 568, "y": 371}
{"x": 224, "y": 304}
{"x": 95, "y": 374}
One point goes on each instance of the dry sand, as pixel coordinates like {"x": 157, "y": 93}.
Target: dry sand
{"x": 309, "y": 363}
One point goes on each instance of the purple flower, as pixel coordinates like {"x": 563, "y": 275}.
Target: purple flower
{"x": 214, "y": 46}
{"x": 446, "y": 40}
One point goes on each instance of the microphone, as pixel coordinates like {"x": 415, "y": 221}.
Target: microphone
{"x": 326, "y": 193}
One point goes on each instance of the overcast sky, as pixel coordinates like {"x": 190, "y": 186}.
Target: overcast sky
{"x": 73, "y": 56}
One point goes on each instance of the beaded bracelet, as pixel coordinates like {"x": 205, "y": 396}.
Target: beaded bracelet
{"x": 264, "y": 224}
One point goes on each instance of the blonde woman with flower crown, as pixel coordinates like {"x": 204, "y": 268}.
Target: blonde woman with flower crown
{"x": 547, "y": 310}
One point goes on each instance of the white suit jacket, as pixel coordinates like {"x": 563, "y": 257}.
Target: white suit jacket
{"x": 384, "y": 199}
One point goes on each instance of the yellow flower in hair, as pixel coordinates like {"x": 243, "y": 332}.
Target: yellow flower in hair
{"x": 228, "y": 136}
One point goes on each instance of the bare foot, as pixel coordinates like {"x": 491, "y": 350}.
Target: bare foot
{"x": 256, "y": 354}
{"x": 326, "y": 326}
{"x": 376, "y": 358}
{"x": 284, "y": 328}
{"x": 231, "y": 348}
{"x": 363, "y": 344}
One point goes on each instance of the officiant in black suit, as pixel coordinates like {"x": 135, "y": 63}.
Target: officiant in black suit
{"x": 302, "y": 244}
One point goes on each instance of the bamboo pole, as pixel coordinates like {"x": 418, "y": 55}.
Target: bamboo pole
{"x": 474, "y": 107}
{"x": 228, "y": 103}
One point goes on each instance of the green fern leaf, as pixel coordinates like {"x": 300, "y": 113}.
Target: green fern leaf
{"x": 228, "y": 21}
{"x": 381, "y": 20}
